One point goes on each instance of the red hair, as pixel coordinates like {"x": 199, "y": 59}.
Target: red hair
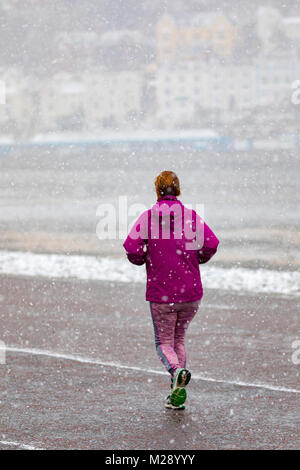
{"x": 167, "y": 184}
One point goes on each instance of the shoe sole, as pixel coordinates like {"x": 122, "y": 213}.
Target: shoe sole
{"x": 178, "y": 395}
{"x": 169, "y": 406}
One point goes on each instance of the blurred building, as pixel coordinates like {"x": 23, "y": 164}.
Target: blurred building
{"x": 268, "y": 23}
{"x": 185, "y": 90}
{"x": 113, "y": 99}
{"x": 201, "y": 76}
{"x": 19, "y": 107}
{"x": 274, "y": 76}
{"x": 62, "y": 103}
{"x": 74, "y": 50}
{"x": 291, "y": 27}
{"x": 187, "y": 37}
{"x": 277, "y": 32}
{"x": 95, "y": 100}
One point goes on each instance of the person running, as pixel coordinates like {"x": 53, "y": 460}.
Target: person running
{"x": 172, "y": 241}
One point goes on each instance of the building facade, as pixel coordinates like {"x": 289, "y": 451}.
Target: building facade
{"x": 186, "y": 37}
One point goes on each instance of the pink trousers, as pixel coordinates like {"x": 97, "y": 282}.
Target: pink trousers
{"x": 170, "y": 323}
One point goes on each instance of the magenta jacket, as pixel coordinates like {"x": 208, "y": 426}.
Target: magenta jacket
{"x": 172, "y": 240}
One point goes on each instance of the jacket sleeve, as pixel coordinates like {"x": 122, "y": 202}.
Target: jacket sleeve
{"x": 210, "y": 244}
{"x": 137, "y": 240}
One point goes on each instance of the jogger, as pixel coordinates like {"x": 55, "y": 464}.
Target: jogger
{"x": 170, "y": 323}
{"x": 172, "y": 240}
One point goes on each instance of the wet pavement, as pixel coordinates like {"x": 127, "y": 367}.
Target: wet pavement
{"x": 81, "y": 370}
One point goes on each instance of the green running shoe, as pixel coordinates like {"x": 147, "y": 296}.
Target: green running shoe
{"x": 169, "y": 405}
{"x": 180, "y": 381}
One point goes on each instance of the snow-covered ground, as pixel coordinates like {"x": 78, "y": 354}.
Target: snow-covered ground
{"x": 119, "y": 270}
